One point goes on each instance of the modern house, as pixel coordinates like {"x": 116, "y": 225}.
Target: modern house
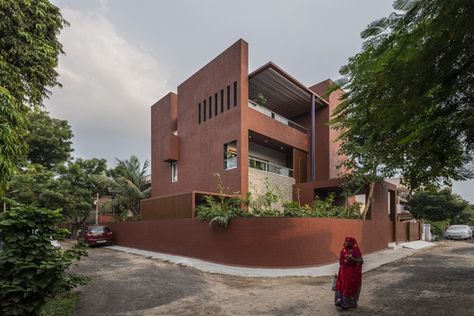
{"x": 258, "y": 129}
{"x": 252, "y": 129}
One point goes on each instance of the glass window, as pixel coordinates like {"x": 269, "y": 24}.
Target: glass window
{"x": 215, "y": 104}
{"x": 199, "y": 113}
{"x": 230, "y": 155}
{"x": 235, "y": 93}
{"x": 210, "y": 107}
{"x": 228, "y": 97}
{"x": 222, "y": 100}
{"x": 204, "y": 112}
{"x": 174, "y": 171}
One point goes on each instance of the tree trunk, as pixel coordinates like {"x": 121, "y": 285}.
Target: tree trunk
{"x": 370, "y": 198}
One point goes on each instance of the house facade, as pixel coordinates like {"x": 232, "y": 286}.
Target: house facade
{"x": 253, "y": 130}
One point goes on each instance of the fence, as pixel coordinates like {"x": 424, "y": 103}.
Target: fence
{"x": 253, "y": 242}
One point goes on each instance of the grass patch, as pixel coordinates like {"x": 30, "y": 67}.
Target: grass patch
{"x": 60, "y": 306}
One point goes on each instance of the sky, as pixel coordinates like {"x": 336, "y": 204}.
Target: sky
{"x": 123, "y": 56}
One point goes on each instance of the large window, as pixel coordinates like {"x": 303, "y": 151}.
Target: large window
{"x": 230, "y": 155}
{"x": 174, "y": 171}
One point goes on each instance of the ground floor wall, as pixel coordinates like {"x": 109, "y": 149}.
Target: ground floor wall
{"x": 254, "y": 242}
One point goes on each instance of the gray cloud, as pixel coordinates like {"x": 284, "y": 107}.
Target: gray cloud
{"x": 108, "y": 88}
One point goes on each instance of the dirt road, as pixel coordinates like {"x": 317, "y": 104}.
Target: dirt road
{"x": 438, "y": 281}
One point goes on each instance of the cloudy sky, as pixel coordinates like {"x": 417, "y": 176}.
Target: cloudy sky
{"x": 122, "y": 56}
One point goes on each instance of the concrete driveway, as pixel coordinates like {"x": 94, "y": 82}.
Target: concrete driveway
{"x": 437, "y": 281}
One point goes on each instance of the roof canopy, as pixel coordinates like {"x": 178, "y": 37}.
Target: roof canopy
{"x": 284, "y": 94}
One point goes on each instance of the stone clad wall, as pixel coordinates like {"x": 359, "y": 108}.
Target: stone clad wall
{"x": 280, "y": 185}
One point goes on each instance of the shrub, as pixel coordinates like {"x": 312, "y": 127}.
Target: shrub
{"x": 31, "y": 268}
{"x": 218, "y": 210}
{"x": 438, "y": 228}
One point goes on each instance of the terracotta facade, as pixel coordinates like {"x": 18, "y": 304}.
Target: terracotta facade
{"x": 211, "y": 109}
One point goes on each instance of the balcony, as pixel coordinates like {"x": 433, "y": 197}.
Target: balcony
{"x": 277, "y": 117}
{"x": 270, "y": 167}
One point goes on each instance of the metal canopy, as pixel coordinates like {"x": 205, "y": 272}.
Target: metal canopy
{"x": 284, "y": 94}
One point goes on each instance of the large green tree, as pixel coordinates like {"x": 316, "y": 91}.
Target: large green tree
{"x": 440, "y": 206}
{"x": 29, "y": 51}
{"x": 408, "y": 106}
{"x": 71, "y": 187}
{"x": 128, "y": 184}
{"x": 49, "y": 139}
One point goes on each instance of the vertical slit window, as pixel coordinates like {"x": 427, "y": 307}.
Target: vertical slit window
{"x": 210, "y": 107}
{"x": 204, "y": 112}
{"x": 228, "y": 97}
{"x": 235, "y": 93}
{"x": 215, "y": 104}
{"x": 199, "y": 113}
{"x": 222, "y": 100}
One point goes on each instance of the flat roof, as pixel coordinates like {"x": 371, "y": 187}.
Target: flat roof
{"x": 284, "y": 94}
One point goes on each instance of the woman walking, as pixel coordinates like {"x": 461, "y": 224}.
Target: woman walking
{"x": 349, "y": 277}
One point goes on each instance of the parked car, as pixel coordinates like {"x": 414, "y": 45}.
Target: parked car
{"x": 96, "y": 235}
{"x": 458, "y": 232}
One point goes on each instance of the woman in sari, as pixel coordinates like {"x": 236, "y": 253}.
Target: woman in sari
{"x": 349, "y": 277}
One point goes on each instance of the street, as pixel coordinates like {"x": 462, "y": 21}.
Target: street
{"x": 436, "y": 281}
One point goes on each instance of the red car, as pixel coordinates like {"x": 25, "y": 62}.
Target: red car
{"x": 96, "y": 235}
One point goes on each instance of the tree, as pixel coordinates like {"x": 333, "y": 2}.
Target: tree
{"x": 440, "y": 206}
{"x": 71, "y": 188}
{"x": 49, "y": 139}
{"x": 31, "y": 268}
{"x": 408, "y": 106}
{"x": 128, "y": 184}
{"x": 29, "y": 52}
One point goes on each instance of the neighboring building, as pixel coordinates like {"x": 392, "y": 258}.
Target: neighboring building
{"x": 251, "y": 129}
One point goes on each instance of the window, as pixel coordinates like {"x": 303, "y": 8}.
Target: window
{"x": 230, "y": 155}
{"x": 215, "y": 104}
{"x": 174, "y": 171}
{"x": 210, "y": 107}
{"x": 222, "y": 100}
{"x": 204, "y": 112}
{"x": 199, "y": 113}
{"x": 235, "y": 93}
{"x": 228, "y": 97}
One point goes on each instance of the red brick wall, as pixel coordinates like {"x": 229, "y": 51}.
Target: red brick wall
{"x": 201, "y": 146}
{"x": 253, "y": 242}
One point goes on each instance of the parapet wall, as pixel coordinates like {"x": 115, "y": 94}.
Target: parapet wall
{"x": 254, "y": 242}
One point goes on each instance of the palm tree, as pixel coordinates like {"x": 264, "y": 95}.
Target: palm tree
{"x": 128, "y": 184}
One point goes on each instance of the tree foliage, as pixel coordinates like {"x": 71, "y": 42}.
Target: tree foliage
{"x": 443, "y": 205}
{"x": 408, "y": 106}
{"x": 128, "y": 184}
{"x": 49, "y": 139}
{"x": 29, "y": 52}
{"x": 71, "y": 187}
{"x": 31, "y": 268}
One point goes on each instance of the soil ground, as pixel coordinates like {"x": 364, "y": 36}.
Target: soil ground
{"x": 436, "y": 281}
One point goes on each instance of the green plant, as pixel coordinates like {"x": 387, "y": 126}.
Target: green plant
{"x": 218, "y": 210}
{"x": 31, "y": 268}
{"x": 438, "y": 228}
{"x": 321, "y": 208}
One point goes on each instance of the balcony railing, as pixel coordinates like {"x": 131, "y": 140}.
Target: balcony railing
{"x": 270, "y": 167}
{"x": 230, "y": 163}
{"x": 276, "y": 116}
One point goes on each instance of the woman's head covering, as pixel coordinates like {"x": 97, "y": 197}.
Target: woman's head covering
{"x": 354, "y": 246}
{"x": 352, "y": 241}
